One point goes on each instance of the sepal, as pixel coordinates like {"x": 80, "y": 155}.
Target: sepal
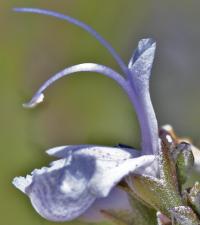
{"x": 183, "y": 215}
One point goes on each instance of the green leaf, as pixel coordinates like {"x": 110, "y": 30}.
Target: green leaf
{"x": 119, "y": 217}
{"x": 168, "y": 167}
{"x": 184, "y": 162}
{"x": 154, "y": 192}
{"x": 139, "y": 215}
{"x": 162, "y": 194}
{"x": 168, "y": 173}
{"x": 142, "y": 214}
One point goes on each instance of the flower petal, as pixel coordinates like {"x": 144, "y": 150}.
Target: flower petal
{"x": 143, "y": 45}
{"x": 22, "y": 182}
{"x": 140, "y": 66}
{"x": 79, "y": 24}
{"x": 61, "y": 194}
{"x": 100, "y": 152}
{"x": 118, "y": 161}
{"x": 69, "y": 186}
{"x": 116, "y": 200}
{"x": 117, "y": 170}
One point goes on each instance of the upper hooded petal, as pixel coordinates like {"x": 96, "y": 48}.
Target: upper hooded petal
{"x": 67, "y": 188}
{"x": 143, "y": 45}
{"x": 140, "y": 67}
{"x": 141, "y": 62}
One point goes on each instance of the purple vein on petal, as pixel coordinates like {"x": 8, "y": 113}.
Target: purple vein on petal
{"x": 85, "y": 67}
{"x": 83, "y": 26}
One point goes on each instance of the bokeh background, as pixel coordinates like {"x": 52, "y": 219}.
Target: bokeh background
{"x": 88, "y": 108}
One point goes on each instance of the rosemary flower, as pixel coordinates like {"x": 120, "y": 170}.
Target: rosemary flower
{"x": 84, "y": 173}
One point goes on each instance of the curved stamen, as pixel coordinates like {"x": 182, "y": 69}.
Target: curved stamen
{"x": 84, "y": 67}
{"x": 135, "y": 85}
{"x": 83, "y": 26}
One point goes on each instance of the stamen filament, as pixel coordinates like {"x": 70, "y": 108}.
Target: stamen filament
{"x": 83, "y": 26}
{"x": 84, "y": 67}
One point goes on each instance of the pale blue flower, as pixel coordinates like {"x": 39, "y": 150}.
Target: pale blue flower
{"x": 84, "y": 173}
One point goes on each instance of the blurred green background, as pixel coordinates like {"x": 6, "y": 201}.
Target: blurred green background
{"x": 88, "y": 108}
